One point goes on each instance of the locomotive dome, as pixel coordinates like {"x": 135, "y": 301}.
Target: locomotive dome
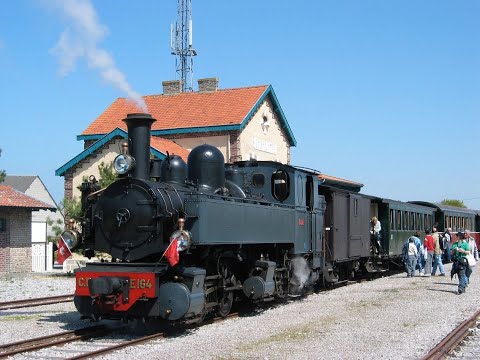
{"x": 174, "y": 169}
{"x": 206, "y": 167}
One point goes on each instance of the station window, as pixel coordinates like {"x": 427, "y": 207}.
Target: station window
{"x": 3, "y": 225}
{"x": 280, "y": 185}
{"x": 258, "y": 180}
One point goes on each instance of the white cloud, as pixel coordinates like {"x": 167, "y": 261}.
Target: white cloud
{"x": 81, "y": 39}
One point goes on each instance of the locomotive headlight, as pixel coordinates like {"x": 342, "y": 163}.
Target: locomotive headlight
{"x": 71, "y": 238}
{"x": 184, "y": 240}
{"x": 123, "y": 163}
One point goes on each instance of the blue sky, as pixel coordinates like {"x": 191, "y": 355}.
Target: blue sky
{"x": 385, "y": 93}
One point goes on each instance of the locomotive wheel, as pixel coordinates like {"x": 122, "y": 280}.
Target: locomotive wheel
{"x": 225, "y": 299}
{"x": 225, "y": 304}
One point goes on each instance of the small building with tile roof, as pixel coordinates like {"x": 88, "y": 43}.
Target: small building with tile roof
{"x": 244, "y": 123}
{"x": 34, "y": 187}
{"x": 16, "y": 229}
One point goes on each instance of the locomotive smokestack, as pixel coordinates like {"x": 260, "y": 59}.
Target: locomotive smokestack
{"x": 139, "y": 131}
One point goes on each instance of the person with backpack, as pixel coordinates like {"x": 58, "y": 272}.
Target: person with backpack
{"x": 459, "y": 255}
{"x": 437, "y": 253}
{"x": 420, "y": 259}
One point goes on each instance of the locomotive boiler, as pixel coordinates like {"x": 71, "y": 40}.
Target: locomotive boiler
{"x": 189, "y": 239}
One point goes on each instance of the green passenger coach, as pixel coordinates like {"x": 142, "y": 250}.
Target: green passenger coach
{"x": 400, "y": 221}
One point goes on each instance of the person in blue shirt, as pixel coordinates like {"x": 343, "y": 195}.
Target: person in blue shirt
{"x": 418, "y": 244}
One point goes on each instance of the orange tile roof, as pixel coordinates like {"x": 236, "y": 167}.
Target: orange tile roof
{"x": 13, "y": 198}
{"x": 164, "y": 145}
{"x": 183, "y": 110}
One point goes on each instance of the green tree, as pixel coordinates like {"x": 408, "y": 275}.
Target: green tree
{"x": 2, "y": 172}
{"x": 72, "y": 209}
{"x": 107, "y": 174}
{"x": 57, "y": 228}
{"x": 454, "y": 202}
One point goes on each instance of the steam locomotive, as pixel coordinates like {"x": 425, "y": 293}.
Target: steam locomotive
{"x": 191, "y": 239}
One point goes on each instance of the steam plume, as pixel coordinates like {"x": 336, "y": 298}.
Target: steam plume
{"x": 81, "y": 39}
{"x": 301, "y": 272}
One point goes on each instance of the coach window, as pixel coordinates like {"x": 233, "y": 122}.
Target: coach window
{"x": 412, "y": 221}
{"x": 258, "y": 180}
{"x": 399, "y": 219}
{"x": 392, "y": 219}
{"x": 3, "y": 225}
{"x": 405, "y": 220}
{"x": 280, "y": 185}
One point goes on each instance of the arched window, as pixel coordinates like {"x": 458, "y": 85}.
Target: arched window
{"x": 280, "y": 185}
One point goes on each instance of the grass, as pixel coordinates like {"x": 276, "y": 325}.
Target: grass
{"x": 18, "y": 317}
{"x": 292, "y": 333}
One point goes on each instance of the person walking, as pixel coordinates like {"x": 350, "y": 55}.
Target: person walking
{"x": 459, "y": 255}
{"x": 412, "y": 255}
{"x": 437, "y": 254}
{"x": 448, "y": 245}
{"x": 429, "y": 244}
{"x": 472, "y": 245}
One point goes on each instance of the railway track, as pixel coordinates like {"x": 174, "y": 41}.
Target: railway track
{"x": 144, "y": 339}
{"x": 66, "y": 337}
{"x": 16, "y": 304}
{"x": 453, "y": 340}
{"x": 52, "y": 340}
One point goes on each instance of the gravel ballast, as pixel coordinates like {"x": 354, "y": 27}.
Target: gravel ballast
{"x": 390, "y": 318}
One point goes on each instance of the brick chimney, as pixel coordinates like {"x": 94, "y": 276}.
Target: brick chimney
{"x": 172, "y": 87}
{"x": 208, "y": 84}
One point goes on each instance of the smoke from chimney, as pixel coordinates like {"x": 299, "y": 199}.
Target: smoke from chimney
{"x": 81, "y": 39}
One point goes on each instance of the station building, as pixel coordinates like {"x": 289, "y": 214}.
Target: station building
{"x": 244, "y": 123}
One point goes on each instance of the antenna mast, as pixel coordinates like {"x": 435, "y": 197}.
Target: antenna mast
{"x": 181, "y": 44}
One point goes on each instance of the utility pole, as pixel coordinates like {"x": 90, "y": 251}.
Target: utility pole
{"x": 181, "y": 44}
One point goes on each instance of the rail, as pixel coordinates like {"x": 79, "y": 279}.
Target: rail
{"x": 16, "y": 304}
{"x": 452, "y": 340}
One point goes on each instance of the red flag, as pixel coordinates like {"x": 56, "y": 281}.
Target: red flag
{"x": 172, "y": 254}
{"x": 63, "y": 251}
